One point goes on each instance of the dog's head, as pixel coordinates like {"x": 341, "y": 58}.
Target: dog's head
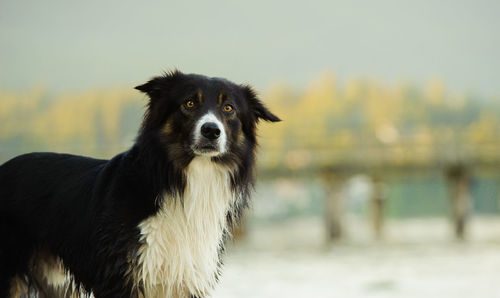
{"x": 194, "y": 115}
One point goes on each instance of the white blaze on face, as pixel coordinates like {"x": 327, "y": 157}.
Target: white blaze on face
{"x": 221, "y": 141}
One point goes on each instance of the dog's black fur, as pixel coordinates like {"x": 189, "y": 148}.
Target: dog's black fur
{"x": 86, "y": 211}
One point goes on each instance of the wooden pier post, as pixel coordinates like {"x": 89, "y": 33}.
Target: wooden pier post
{"x": 240, "y": 229}
{"x": 334, "y": 205}
{"x": 378, "y": 205}
{"x": 460, "y": 197}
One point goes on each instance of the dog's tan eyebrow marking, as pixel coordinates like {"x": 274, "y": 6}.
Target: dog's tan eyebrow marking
{"x": 222, "y": 96}
{"x": 200, "y": 96}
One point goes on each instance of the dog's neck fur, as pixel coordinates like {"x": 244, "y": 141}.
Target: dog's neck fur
{"x": 181, "y": 243}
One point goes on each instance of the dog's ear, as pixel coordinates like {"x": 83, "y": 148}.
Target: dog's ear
{"x": 155, "y": 86}
{"x": 152, "y": 87}
{"x": 260, "y": 111}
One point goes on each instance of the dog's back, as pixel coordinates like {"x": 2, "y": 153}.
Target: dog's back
{"x": 42, "y": 202}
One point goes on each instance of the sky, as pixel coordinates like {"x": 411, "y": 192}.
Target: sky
{"x": 76, "y": 45}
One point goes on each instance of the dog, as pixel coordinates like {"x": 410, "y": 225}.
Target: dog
{"x": 150, "y": 222}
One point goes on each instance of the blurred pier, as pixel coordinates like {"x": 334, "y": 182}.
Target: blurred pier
{"x": 457, "y": 162}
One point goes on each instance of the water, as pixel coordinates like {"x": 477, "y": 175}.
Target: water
{"x": 416, "y": 258}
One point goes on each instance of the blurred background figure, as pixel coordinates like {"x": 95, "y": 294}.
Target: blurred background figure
{"x": 383, "y": 180}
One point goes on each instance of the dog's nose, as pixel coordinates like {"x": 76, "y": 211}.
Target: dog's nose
{"x": 210, "y": 130}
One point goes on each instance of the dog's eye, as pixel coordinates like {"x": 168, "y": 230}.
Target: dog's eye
{"x": 228, "y": 108}
{"x": 189, "y": 104}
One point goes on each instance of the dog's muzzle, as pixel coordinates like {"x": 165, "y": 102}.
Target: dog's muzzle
{"x": 209, "y": 136}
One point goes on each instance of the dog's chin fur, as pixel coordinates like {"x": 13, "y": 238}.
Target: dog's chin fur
{"x": 207, "y": 153}
{"x": 150, "y": 222}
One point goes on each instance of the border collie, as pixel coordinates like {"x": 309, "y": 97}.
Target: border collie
{"x": 150, "y": 222}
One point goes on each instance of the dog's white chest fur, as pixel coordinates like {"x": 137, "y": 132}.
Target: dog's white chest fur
{"x": 180, "y": 251}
